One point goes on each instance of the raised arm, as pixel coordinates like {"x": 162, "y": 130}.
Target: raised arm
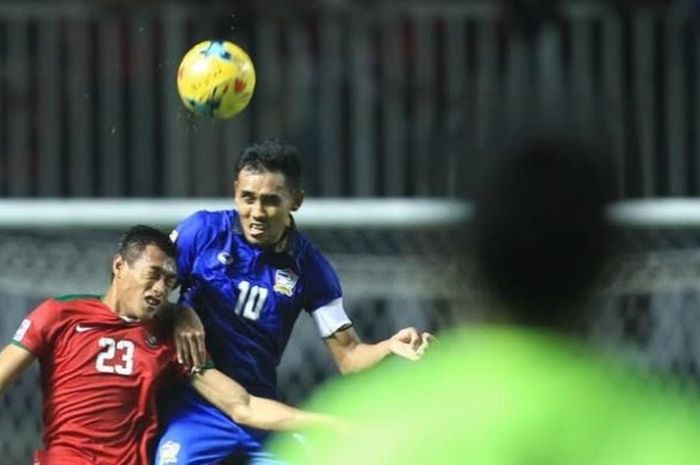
{"x": 13, "y": 361}
{"x": 351, "y": 354}
{"x": 324, "y": 302}
{"x": 249, "y": 410}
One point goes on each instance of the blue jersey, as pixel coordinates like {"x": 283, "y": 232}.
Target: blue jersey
{"x": 249, "y": 298}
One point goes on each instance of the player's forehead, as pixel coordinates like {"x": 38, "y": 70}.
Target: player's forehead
{"x": 262, "y": 182}
{"x": 153, "y": 257}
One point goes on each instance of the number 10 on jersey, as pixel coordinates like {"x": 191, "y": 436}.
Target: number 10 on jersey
{"x": 251, "y": 300}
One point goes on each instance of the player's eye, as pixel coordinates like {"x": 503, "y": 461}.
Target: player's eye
{"x": 272, "y": 201}
{"x": 154, "y": 274}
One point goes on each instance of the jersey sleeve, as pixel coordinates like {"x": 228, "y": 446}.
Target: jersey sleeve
{"x": 323, "y": 298}
{"x": 187, "y": 237}
{"x": 36, "y": 331}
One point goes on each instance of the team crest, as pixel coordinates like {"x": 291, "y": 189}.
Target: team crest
{"x": 151, "y": 341}
{"x": 224, "y": 258}
{"x": 285, "y": 280}
{"x": 169, "y": 452}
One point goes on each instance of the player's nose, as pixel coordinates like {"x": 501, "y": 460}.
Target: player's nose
{"x": 160, "y": 288}
{"x": 257, "y": 211}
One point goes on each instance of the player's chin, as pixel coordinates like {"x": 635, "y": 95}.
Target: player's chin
{"x": 257, "y": 238}
{"x": 150, "y": 311}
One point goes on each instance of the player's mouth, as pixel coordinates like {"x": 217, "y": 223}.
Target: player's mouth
{"x": 153, "y": 302}
{"x": 256, "y": 229}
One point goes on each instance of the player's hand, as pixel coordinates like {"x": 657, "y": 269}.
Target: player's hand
{"x": 189, "y": 338}
{"x": 426, "y": 340}
{"x": 410, "y": 344}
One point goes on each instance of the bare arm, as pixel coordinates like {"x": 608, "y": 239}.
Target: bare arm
{"x": 257, "y": 412}
{"x": 351, "y": 354}
{"x": 13, "y": 361}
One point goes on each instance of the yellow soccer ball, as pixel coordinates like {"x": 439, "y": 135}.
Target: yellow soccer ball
{"x": 216, "y": 78}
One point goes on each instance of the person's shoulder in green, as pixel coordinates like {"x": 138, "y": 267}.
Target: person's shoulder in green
{"x": 501, "y": 396}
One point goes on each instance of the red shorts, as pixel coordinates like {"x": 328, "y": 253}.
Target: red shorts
{"x": 62, "y": 456}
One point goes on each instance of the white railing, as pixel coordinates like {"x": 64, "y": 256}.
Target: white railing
{"x": 358, "y": 213}
{"x": 316, "y": 213}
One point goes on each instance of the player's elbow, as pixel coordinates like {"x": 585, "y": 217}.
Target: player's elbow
{"x": 348, "y": 363}
{"x": 344, "y": 360}
{"x": 238, "y": 408}
{"x": 241, "y": 414}
{"x": 345, "y": 367}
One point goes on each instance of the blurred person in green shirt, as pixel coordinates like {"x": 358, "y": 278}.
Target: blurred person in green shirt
{"x": 523, "y": 388}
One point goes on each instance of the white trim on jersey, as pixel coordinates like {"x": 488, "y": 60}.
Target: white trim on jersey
{"x": 331, "y": 317}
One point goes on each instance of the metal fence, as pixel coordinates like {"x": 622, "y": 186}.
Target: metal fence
{"x": 646, "y": 312}
{"x": 383, "y": 99}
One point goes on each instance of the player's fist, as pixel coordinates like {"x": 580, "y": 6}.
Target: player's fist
{"x": 410, "y": 344}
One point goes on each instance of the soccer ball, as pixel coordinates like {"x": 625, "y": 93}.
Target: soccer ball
{"x": 216, "y": 78}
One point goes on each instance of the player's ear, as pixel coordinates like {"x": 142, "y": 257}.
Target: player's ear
{"x": 234, "y": 188}
{"x": 297, "y": 199}
{"x": 117, "y": 264}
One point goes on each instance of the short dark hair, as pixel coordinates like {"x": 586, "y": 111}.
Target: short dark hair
{"x": 542, "y": 238}
{"x": 135, "y": 240}
{"x": 272, "y": 155}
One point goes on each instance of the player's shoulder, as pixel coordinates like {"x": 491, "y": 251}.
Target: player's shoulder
{"x": 66, "y": 306}
{"x": 205, "y": 222}
{"x": 202, "y": 226}
{"x": 306, "y": 251}
{"x": 75, "y": 298}
{"x": 209, "y": 218}
{"x": 301, "y": 244}
{"x": 72, "y": 301}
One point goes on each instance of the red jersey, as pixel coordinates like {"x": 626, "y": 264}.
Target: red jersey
{"x": 99, "y": 378}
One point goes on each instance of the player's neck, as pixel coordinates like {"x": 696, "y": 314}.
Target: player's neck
{"x": 112, "y": 302}
{"x": 281, "y": 244}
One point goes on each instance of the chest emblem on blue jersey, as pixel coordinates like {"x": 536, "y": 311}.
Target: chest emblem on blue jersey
{"x": 224, "y": 258}
{"x": 285, "y": 280}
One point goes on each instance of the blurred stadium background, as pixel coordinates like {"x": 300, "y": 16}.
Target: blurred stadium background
{"x": 385, "y": 99}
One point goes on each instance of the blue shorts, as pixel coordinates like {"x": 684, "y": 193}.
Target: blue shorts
{"x": 197, "y": 433}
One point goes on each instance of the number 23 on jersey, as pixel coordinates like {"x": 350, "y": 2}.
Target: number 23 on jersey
{"x": 116, "y": 356}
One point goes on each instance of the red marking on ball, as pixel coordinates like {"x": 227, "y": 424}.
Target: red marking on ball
{"x": 239, "y": 85}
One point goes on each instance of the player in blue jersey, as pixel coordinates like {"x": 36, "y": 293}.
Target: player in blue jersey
{"x": 249, "y": 273}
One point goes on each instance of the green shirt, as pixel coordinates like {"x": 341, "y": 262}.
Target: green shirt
{"x": 501, "y": 396}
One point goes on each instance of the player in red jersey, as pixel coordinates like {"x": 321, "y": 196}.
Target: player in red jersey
{"x": 103, "y": 360}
